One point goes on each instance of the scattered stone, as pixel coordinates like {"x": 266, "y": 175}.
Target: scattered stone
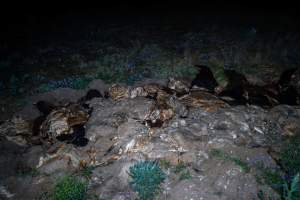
{"x": 179, "y": 86}
{"x": 150, "y": 122}
{"x": 117, "y": 92}
{"x": 64, "y": 123}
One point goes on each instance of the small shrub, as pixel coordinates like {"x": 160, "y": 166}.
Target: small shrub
{"x": 146, "y": 179}
{"x": 70, "y": 188}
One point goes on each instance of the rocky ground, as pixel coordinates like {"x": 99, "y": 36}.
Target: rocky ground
{"x": 220, "y": 153}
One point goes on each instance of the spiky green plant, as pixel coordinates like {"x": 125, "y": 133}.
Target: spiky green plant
{"x": 291, "y": 191}
{"x": 146, "y": 177}
{"x": 70, "y": 188}
{"x": 290, "y": 156}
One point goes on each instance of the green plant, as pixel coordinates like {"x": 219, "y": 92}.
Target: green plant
{"x": 290, "y": 156}
{"x": 291, "y": 191}
{"x": 261, "y": 196}
{"x": 182, "y": 170}
{"x": 146, "y": 177}
{"x": 185, "y": 175}
{"x": 272, "y": 178}
{"x": 165, "y": 164}
{"x": 28, "y": 172}
{"x": 86, "y": 172}
{"x": 179, "y": 168}
{"x": 225, "y": 156}
{"x": 70, "y": 188}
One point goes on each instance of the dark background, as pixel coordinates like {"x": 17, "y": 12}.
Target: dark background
{"x": 23, "y": 22}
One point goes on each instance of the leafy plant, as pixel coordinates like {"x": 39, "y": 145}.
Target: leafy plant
{"x": 146, "y": 179}
{"x": 70, "y": 188}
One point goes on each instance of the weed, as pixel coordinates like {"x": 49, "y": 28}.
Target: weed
{"x": 272, "y": 178}
{"x": 28, "y": 172}
{"x": 146, "y": 179}
{"x": 224, "y": 156}
{"x": 261, "y": 196}
{"x": 185, "y": 175}
{"x": 290, "y": 191}
{"x": 86, "y": 172}
{"x": 179, "y": 168}
{"x": 70, "y": 188}
{"x": 290, "y": 156}
{"x": 165, "y": 164}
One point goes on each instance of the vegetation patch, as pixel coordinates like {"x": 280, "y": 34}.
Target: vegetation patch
{"x": 70, "y": 188}
{"x": 227, "y": 157}
{"x": 86, "y": 172}
{"x": 290, "y": 156}
{"x": 28, "y": 172}
{"x": 180, "y": 169}
{"x": 287, "y": 180}
{"x": 146, "y": 178}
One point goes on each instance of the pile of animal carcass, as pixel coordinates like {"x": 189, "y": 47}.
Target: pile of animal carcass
{"x": 119, "y": 124}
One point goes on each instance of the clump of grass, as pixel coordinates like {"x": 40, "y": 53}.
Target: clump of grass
{"x": 286, "y": 182}
{"x": 185, "y": 175}
{"x": 86, "y": 172}
{"x": 273, "y": 178}
{"x": 165, "y": 164}
{"x": 290, "y": 156}
{"x": 290, "y": 191}
{"x": 28, "y": 172}
{"x": 181, "y": 169}
{"x": 70, "y": 188}
{"x": 225, "y": 156}
{"x": 262, "y": 196}
{"x": 146, "y": 177}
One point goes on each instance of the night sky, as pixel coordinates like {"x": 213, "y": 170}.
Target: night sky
{"x": 24, "y": 22}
